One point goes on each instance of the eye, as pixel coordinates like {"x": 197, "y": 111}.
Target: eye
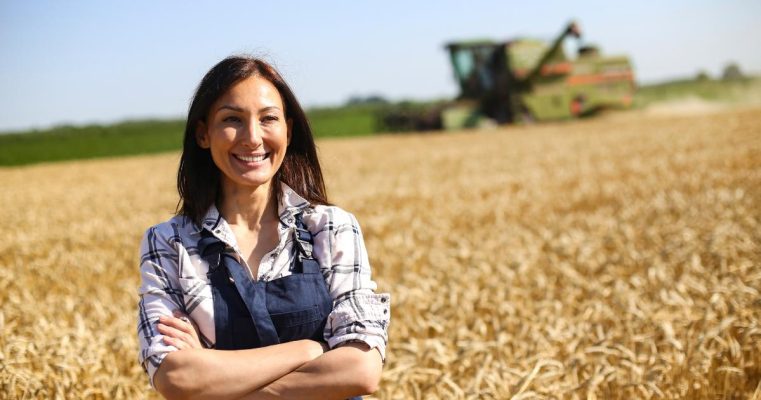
{"x": 267, "y": 119}
{"x": 231, "y": 119}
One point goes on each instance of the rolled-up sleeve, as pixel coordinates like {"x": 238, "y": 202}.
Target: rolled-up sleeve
{"x": 159, "y": 295}
{"x": 359, "y": 314}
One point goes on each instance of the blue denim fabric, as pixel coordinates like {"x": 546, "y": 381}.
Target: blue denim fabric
{"x": 250, "y": 314}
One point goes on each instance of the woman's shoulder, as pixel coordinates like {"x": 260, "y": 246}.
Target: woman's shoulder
{"x": 171, "y": 230}
{"x": 315, "y": 216}
{"x": 320, "y": 217}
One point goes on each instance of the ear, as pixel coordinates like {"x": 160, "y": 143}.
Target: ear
{"x": 202, "y": 135}
{"x": 289, "y": 123}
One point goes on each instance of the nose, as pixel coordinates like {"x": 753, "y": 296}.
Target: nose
{"x": 253, "y": 134}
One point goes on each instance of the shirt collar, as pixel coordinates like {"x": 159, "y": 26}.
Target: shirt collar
{"x": 290, "y": 204}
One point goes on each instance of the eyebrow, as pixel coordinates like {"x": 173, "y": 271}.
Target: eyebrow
{"x": 239, "y": 109}
{"x": 229, "y": 107}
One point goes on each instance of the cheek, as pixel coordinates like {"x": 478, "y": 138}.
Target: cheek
{"x": 279, "y": 139}
{"x": 222, "y": 138}
{"x": 219, "y": 158}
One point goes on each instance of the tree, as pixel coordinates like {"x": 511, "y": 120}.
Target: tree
{"x": 373, "y": 99}
{"x": 702, "y": 76}
{"x": 732, "y": 72}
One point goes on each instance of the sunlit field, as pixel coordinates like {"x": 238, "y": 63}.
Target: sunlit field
{"x": 613, "y": 258}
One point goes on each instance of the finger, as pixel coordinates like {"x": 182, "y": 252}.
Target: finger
{"x": 179, "y": 344}
{"x": 192, "y": 328}
{"x": 173, "y": 332}
{"x": 178, "y": 339}
{"x": 191, "y": 339}
{"x": 181, "y": 315}
{"x": 183, "y": 325}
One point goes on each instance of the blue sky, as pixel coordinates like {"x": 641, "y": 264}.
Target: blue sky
{"x": 97, "y": 62}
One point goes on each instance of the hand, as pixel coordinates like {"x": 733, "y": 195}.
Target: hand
{"x": 179, "y": 331}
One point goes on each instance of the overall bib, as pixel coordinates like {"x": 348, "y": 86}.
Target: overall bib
{"x": 250, "y": 314}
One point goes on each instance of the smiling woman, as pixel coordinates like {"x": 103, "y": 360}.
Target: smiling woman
{"x": 247, "y": 134}
{"x": 258, "y": 288}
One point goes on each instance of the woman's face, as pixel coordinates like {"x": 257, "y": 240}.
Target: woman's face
{"x": 247, "y": 133}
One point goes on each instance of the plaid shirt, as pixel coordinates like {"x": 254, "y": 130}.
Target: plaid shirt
{"x": 174, "y": 275}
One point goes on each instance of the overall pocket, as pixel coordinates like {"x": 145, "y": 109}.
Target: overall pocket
{"x": 297, "y": 306}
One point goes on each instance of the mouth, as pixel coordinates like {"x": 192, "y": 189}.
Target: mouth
{"x": 252, "y": 158}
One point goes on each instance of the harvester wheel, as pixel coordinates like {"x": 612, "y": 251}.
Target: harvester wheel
{"x": 525, "y": 116}
{"x": 577, "y": 106}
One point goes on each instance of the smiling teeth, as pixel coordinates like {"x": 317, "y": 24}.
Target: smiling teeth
{"x": 256, "y": 158}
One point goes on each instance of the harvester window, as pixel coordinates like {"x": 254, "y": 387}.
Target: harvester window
{"x": 463, "y": 63}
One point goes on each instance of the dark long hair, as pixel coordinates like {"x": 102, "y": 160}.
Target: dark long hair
{"x": 198, "y": 178}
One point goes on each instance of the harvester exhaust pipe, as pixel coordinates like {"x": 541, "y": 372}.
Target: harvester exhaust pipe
{"x": 573, "y": 30}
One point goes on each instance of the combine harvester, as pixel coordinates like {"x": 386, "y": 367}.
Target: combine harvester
{"x": 522, "y": 81}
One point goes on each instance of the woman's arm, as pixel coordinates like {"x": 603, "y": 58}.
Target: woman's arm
{"x": 356, "y": 328}
{"x": 170, "y": 348}
{"x": 353, "y": 369}
{"x": 229, "y": 374}
{"x": 359, "y": 313}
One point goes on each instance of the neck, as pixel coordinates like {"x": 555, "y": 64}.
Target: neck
{"x": 248, "y": 207}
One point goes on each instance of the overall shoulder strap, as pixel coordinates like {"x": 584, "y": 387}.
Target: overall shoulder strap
{"x": 225, "y": 270}
{"x": 304, "y": 243}
{"x": 302, "y": 237}
{"x": 210, "y": 248}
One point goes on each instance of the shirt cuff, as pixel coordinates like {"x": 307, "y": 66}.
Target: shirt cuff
{"x": 154, "y": 355}
{"x": 361, "y": 317}
{"x": 374, "y": 342}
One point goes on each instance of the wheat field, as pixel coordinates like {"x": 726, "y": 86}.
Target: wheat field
{"x": 612, "y": 258}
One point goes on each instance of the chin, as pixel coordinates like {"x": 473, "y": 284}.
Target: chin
{"x": 255, "y": 183}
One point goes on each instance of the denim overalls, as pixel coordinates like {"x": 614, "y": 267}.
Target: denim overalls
{"x": 250, "y": 314}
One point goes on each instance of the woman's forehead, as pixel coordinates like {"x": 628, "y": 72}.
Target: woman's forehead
{"x": 252, "y": 92}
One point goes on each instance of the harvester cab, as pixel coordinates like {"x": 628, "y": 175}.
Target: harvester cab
{"x": 524, "y": 80}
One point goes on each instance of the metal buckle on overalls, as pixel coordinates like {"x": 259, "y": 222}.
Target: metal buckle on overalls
{"x": 305, "y": 248}
{"x": 210, "y": 249}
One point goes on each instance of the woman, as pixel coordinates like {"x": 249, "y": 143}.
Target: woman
{"x": 258, "y": 288}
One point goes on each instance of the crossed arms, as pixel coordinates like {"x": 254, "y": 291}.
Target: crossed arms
{"x": 299, "y": 369}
